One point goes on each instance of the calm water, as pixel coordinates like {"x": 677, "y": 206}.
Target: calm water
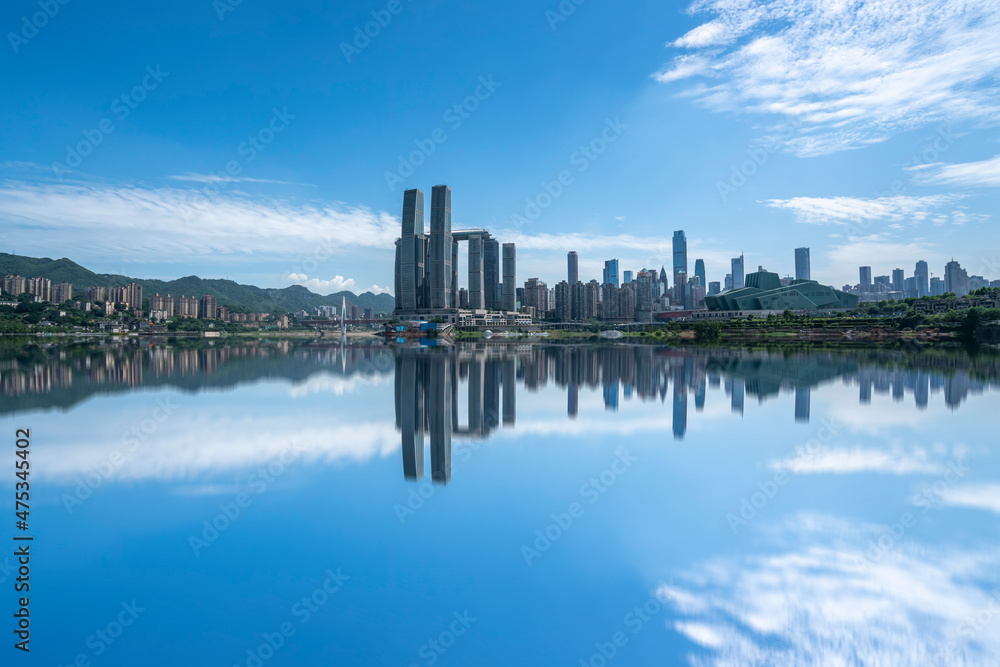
{"x": 279, "y": 504}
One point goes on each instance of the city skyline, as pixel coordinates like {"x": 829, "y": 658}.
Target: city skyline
{"x": 191, "y": 175}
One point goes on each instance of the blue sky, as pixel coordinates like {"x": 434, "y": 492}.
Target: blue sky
{"x": 263, "y": 143}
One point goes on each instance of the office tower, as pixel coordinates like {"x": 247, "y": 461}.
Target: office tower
{"x": 626, "y": 277}
{"x": 910, "y": 288}
{"x": 956, "y": 279}
{"x": 803, "y": 271}
{"x": 663, "y": 278}
{"x": 463, "y": 298}
{"x": 680, "y": 254}
{"x": 898, "y": 276}
{"x": 739, "y": 280}
{"x": 937, "y": 286}
{"x": 866, "y": 278}
{"x": 440, "y": 263}
{"x": 611, "y": 272}
{"x": 508, "y": 299}
{"x": 454, "y": 272}
{"x": 714, "y": 288}
{"x": 573, "y": 266}
{"x": 476, "y": 299}
{"x": 728, "y": 285}
{"x": 699, "y": 270}
{"x": 922, "y": 275}
{"x": 412, "y": 251}
{"x": 491, "y": 273}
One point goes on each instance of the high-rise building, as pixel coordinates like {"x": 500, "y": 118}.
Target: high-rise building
{"x": 937, "y": 286}
{"x": 14, "y": 285}
{"x": 739, "y": 273}
{"x": 440, "y": 263}
{"x": 40, "y": 288}
{"x": 866, "y": 278}
{"x": 611, "y": 272}
{"x": 573, "y": 267}
{"x": 663, "y": 278}
{"x": 898, "y": 278}
{"x": 508, "y": 299}
{"x": 62, "y": 292}
{"x": 714, "y": 288}
{"x": 922, "y": 275}
{"x": 626, "y": 277}
{"x": 536, "y": 295}
{"x": 491, "y": 273}
{"x": 803, "y": 271}
{"x": 699, "y": 270}
{"x": 412, "y": 250}
{"x": 956, "y": 279}
{"x": 564, "y": 302}
{"x": 207, "y": 308}
{"x": 680, "y": 254}
{"x": 96, "y": 294}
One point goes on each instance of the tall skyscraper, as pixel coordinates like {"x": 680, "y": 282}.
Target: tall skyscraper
{"x": 866, "y": 278}
{"x": 491, "y": 273}
{"x": 898, "y": 277}
{"x": 441, "y": 251}
{"x": 680, "y": 254}
{"x": 412, "y": 252}
{"x": 922, "y": 274}
{"x": 573, "y": 267}
{"x": 611, "y": 272}
{"x": 508, "y": 298}
{"x": 626, "y": 277}
{"x": 956, "y": 279}
{"x": 739, "y": 274}
{"x": 699, "y": 270}
{"x": 803, "y": 270}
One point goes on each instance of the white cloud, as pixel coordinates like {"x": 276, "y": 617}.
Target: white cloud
{"x": 174, "y": 224}
{"x": 337, "y": 284}
{"x": 985, "y": 173}
{"x": 976, "y": 496}
{"x": 812, "y": 596}
{"x": 226, "y": 178}
{"x": 845, "y": 210}
{"x": 846, "y": 73}
{"x": 833, "y": 460}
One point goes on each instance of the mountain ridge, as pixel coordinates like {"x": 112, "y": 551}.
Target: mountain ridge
{"x": 227, "y": 292}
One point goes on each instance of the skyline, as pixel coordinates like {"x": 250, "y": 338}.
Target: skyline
{"x": 275, "y": 175}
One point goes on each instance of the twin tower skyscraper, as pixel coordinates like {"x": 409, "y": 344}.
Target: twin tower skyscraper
{"x": 426, "y": 275}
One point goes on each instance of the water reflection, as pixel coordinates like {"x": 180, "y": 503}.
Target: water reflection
{"x": 429, "y": 382}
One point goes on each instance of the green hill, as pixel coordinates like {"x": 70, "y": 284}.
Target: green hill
{"x": 227, "y": 292}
